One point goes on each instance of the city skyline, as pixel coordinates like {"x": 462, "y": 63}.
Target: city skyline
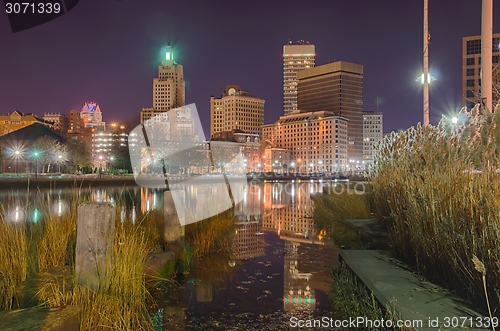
{"x": 66, "y": 62}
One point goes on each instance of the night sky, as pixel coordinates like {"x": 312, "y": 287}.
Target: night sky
{"x": 108, "y": 51}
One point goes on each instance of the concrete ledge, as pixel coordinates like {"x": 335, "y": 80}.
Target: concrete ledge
{"x": 372, "y": 231}
{"x": 65, "y": 318}
{"x": 394, "y": 284}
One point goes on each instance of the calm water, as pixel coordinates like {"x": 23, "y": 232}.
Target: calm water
{"x": 281, "y": 267}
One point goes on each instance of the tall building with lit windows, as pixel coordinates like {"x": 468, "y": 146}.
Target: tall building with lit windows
{"x": 296, "y": 57}
{"x": 236, "y": 109}
{"x": 168, "y": 87}
{"x": 471, "y": 69}
{"x": 373, "y": 132}
{"x": 336, "y": 87}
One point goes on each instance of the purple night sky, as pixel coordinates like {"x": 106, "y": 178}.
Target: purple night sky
{"x": 108, "y": 51}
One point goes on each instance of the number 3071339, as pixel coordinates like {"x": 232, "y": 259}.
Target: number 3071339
{"x": 33, "y": 8}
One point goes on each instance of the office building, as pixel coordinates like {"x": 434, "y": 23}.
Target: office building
{"x": 168, "y": 87}
{"x": 236, "y": 109}
{"x": 298, "y": 56}
{"x": 471, "y": 70}
{"x": 277, "y": 160}
{"x": 317, "y": 140}
{"x": 372, "y": 134}
{"x": 75, "y": 124}
{"x": 59, "y": 121}
{"x": 107, "y": 143}
{"x": 336, "y": 87}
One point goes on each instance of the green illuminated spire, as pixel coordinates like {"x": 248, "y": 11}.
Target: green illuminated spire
{"x": 169, "y": 55}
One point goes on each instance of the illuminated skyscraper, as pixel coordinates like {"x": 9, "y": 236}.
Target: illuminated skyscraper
{"x": 336, "y": 87}
{"x": 92, "y": 116}
{"x": 295, "y": 57}
{"x": 168, "y": 87}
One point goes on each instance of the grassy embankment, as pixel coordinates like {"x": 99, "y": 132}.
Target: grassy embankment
{"x": 28, "y": 247}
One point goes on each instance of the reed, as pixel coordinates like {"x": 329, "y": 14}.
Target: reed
{"x": 211, "y": 235}
{"x": 120, "y": 301}
{"x": 438, "y": 189}
{"x": 13, "y": 260}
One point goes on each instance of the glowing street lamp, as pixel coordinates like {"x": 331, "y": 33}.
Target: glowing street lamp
{"x": 100, "y": 166}
{"x": 111, "y": 159}
{"x": 35, "y": 155}
{"x": 17, "y": 158}
{"x": 60, "y": 160}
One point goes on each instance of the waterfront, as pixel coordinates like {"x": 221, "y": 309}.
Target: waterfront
{"x": 278, "y": 267}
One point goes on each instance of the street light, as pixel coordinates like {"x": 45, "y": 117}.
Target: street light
{"x": 111, "y": 159}
{"x": 59, "y": 157}
{"x": 17, "y": 158}
{"x": 100, "y": 166}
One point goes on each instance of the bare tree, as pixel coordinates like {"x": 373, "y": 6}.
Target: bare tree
{"x": 47, "y": 148}
{"x": 78, "y": 153}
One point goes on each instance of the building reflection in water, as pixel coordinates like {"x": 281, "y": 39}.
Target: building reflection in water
{"x": 249, "y": 239}
{"x": 287, "y": 209}
{"x": 298, "y": 294}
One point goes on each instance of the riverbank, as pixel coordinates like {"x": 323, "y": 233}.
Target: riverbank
{"x": 8, "y": 182}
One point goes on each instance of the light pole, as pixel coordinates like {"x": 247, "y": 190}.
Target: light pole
{"x": 100, "y": 166}
{"x": 60, "y": 159}
{"x": 17, "y": 158}
{"x": 426, "y": 63}
{"x": 111, "y": 159}
{"x": 36, "y": 164}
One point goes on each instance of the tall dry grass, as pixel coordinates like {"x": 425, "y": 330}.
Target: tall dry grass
{"x": 13, "y": 260}
{"x": 120, "y": 301}
{"x": 212, "y": 235}
{"x": 438, "y": 189}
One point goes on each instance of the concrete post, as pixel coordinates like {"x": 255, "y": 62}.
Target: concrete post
{"x": 174, "y": 230}
{"x": 94, "y": 243}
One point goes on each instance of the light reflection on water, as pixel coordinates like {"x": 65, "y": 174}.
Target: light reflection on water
{"x": 278, "y": 263}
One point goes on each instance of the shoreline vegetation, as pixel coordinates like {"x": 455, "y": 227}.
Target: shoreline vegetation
{"x": 123, "y": 301}
{"x": 438, "y": 190}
